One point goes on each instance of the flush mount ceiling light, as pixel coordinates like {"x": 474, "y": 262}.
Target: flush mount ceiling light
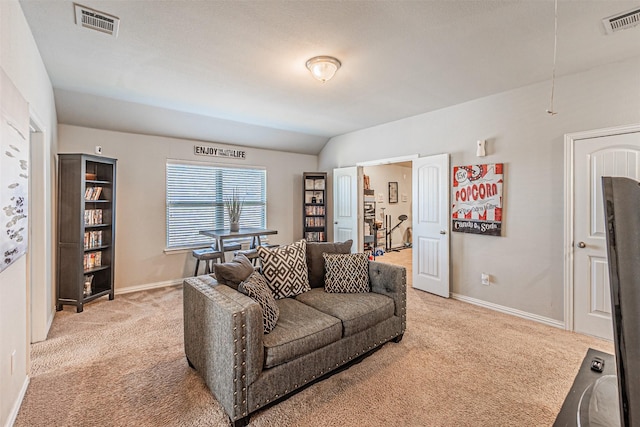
{"x": 323, "y": 68}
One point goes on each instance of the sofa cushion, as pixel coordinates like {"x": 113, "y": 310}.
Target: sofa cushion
{"x": 346, "y": 273}
{"x": 234, "y": 272}
{"x": 285, "y": 269}
{"x": 256, "y": 287}
{"x": 300, "y": 330}
{"x": 357, "y": 311}
{"x": 315, "y": 261}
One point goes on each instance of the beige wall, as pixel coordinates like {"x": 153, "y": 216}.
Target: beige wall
{"x": 526, "y": 264}
{"x": 141, "y": 260}
{"x": 21, "y": 61}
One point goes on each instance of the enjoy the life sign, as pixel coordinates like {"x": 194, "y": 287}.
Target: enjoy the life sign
{"x": 230, "y": 153}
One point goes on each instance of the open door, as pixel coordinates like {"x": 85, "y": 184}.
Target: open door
{"x": 431, "y": 224}
{"x": 347, "y": 205}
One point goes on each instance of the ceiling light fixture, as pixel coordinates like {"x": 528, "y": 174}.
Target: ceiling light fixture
{"x": 323, "y": 68}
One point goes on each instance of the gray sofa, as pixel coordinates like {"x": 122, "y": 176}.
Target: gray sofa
{"x": 317, "y": 332}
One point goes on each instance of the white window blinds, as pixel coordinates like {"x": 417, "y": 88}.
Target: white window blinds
{"x": 195, "y": 200}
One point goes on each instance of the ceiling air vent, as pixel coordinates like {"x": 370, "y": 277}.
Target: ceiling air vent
{"x": 95, "y": 20}
{"x": 621, "y": 21}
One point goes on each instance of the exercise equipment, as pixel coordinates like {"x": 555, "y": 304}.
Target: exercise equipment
{"x": 401, "y": 218}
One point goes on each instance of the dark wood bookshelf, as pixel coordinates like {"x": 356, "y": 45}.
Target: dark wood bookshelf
{"x": 314, "y": 209}
{"x": 80, "y": 220}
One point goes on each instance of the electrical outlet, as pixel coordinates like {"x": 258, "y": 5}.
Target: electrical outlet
{"x": 98, "y": 149}
{"x": 484, "y": 277}
{"x": 13, "y": 361}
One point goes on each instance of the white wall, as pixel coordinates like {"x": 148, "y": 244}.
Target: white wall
{"x": 379, "y": 178}
{"x": 20, "y": 59}
{"x": 526, "y": 264}
{"x": 141, "y": 198}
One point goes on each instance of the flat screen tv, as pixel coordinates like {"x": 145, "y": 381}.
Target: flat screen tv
{"x": 622, "y": 219}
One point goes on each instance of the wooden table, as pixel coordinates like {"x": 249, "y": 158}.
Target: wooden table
{"x": 224, "y": 234}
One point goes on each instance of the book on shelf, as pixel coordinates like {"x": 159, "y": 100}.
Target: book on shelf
{"x": 314, "y": 210}
{"x": 315, "y": 236}
{"x": 314, "y": 221}
{"x": 92, "y": 239}
{"x": 92, "y": 193}
{"x": 92, "y": 260}
{"x": 92, "y": 216}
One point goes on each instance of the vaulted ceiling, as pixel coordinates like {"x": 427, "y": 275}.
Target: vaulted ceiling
{"x": 234, "y": 71}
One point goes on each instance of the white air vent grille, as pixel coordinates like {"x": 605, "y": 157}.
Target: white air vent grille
{"x": 621, "y": 21}
{"x": 95, "y": 20}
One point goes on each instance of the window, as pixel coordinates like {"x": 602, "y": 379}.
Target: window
{"x": 195, "y": 200}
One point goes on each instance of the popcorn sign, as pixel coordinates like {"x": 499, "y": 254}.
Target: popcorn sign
{"x": 477, "y": 199}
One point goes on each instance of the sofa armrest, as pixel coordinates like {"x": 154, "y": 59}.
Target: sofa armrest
{"x": 390, "y": 280}
{"x": 223, "y": 334}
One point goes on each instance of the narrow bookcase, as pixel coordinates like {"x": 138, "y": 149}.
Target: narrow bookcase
{"x": 86, "y": 229}
{"x": 314, "y": 212}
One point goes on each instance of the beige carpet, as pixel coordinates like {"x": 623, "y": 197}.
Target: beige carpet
{"x": 121, "y": 363}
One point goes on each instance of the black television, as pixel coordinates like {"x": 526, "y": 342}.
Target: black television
{"x": 622, "y": 220}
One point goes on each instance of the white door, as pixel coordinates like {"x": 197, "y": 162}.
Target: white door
{"x": 347, "y": 183}
{"x": 617, "y": 155}
{"x": 431, "y": 224}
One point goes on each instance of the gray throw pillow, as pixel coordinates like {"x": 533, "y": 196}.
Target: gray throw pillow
{"x": 346, "y": 273}
{"x": 315, "y": 261}
{"x": 234, "y": 272}
{"x": 285, "y": 269}
{"x": 257, "y": 289}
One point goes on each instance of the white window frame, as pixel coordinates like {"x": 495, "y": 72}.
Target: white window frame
{"x": 202, "y": 205}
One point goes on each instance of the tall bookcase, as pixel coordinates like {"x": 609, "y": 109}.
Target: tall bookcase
{"x": 314, "y": 213}
{"x": 86, "y": 229}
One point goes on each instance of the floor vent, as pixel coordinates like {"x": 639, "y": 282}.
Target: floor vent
{"x": 98, "y": 21}
{"x": 621, "y": 21}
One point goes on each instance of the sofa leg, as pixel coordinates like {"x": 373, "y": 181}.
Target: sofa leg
{"x": 242, "y": 422}
{"x": 398, "y": 338}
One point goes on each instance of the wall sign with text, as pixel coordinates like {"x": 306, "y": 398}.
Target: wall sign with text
{"x": 203, "y": 150}
{"x": 477, "y": 199}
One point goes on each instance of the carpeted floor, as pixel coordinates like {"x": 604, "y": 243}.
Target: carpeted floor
{"x": 121, "y": 363}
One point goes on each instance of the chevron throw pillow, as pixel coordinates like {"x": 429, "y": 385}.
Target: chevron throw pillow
{"x": 346, "y": 273}
{"x": 285, "y": 269}
{"x": 257, "y": 289}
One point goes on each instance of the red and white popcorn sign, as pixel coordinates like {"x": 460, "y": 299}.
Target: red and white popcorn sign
{"x": 477, "y": 199}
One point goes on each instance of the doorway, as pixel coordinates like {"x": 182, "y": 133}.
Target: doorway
{"x": 39, "y": 262}
{"x": 589, "y": 156}
{"x": 427, "y": 206}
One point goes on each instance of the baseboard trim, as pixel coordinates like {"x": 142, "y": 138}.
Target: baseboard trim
{"x": 148, "y": 286}
{"x": 18, "y": 403}
{"x": 508, "y": 310}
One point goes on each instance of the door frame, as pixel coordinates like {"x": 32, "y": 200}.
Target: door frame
{"x": 379, "y": 162}
{"x": 570, "y": 141}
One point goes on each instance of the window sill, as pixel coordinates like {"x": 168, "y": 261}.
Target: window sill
{"x": 244, "y": 242}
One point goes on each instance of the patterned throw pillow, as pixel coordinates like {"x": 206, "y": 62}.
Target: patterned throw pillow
{"x": 285, "y": 269}
{"x": 315, "y": 261}
{"x": 346, "y": 273}
{"x": 256, "y": 288}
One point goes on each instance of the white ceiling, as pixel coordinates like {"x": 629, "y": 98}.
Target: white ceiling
{"x": 234, "y": 71}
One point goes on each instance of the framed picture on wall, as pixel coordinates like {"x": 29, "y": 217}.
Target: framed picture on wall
{"x": 393, "y": 192}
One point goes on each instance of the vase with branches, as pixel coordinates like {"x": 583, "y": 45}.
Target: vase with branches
{"x": 234, "y": 204}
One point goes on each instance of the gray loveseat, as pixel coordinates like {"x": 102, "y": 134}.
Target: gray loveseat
{"x": 316, "y": 333}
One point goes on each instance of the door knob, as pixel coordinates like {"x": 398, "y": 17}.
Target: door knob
{"x": 443, "y": 232}
{"x": 582, "y": 245}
